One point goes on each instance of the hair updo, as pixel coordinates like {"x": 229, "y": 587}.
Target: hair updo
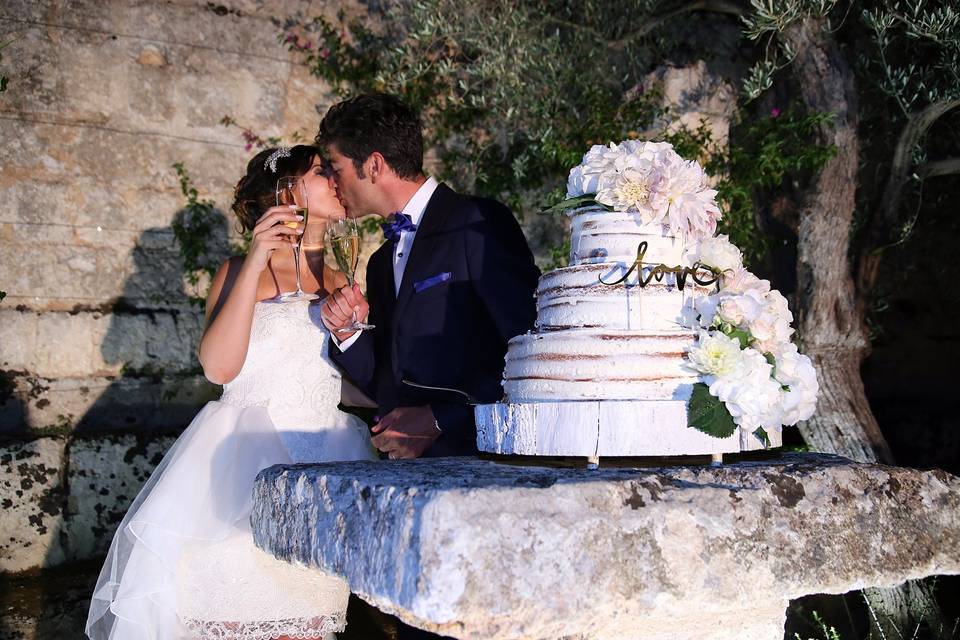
{"x": 257, "y": 191}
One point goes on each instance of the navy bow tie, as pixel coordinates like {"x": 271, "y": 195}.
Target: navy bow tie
{"x": 400, "y": 222}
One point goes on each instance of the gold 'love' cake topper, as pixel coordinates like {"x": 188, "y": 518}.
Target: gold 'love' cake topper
{"x": 698, "y": 272}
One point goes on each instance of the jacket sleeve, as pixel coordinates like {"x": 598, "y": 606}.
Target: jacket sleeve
{"x": 358, "y": 362}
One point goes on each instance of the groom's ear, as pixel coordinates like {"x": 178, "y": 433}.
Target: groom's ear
{"x": 376, "y": 166}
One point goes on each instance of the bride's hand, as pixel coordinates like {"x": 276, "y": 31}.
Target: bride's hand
{"x": 272, "y": 233}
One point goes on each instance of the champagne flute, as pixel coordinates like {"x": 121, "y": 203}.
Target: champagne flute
{"x": 343, "y": 247}
{"x": 290, "y": 190}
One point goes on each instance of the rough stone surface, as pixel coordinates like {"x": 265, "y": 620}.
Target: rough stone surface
{"x": 477, "y": 549}
{"x": 62, "y": 497}
{"x": 32, "y": 501}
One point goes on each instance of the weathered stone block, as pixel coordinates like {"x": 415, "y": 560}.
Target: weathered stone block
{"x": 64, "y": 344}
{"x": 136, "y": 403}
{"x": 105, "y": 475}
{"x": 476, "y": 549}
{"x": 63, "y": 497}
{"x": 32, "y": 498}
{"x": 18, "y": 339}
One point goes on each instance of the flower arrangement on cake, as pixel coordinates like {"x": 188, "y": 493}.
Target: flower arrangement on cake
{"x": 744, "y": 351}
{"x": 752, "y": 375}
{"x": 647, "y": 178}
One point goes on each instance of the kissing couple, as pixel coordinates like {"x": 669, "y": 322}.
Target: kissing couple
{"x": 451, "y": 284}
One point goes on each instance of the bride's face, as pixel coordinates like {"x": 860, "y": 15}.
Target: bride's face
{"x": 321, "y": 194}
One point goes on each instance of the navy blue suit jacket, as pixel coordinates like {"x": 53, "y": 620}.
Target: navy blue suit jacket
{"x": 467, "y": 288}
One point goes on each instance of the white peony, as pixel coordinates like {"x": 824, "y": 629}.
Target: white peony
{"x": 753, "y": 397}
{"x": 688, "y": 206}
{"x": 796, "y": 371}
{"x": 634, "y": 189}
{"x": 716, "y": 355}
{"x": 719, "y": 253}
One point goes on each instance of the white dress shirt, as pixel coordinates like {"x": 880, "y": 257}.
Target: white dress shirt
{"x": 414, "y": 208}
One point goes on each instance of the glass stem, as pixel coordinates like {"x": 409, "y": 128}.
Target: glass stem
{"x": 296, "y": 260}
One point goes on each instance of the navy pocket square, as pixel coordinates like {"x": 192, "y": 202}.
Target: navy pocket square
{"x": 423, "y": 285}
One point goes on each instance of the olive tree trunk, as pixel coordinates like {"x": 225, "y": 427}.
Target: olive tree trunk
{"x": 831, "y": 313}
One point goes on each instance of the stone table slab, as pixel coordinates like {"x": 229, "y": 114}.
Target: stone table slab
{"x": 479, "y": 549}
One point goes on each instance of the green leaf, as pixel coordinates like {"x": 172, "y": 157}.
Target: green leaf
{"x": 743, "y": 336}
{"x": 572, "y": 203}
{"x": 762, "y": 436}
{"x": 708, "y": 414}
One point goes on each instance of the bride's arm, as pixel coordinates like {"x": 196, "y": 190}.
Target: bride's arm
{"x": 230, "y": 305}
{"x": 233, "y": 295}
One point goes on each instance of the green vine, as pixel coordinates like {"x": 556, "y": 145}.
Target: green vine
{"x": 194, "y": 230}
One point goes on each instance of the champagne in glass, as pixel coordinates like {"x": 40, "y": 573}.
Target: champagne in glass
{"x": 346, "y": 251}
{"x": 291, "y": 190}
{"x": 343, "y": 245}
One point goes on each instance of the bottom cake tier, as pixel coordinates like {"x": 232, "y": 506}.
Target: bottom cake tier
{"x": 603, "y": 428}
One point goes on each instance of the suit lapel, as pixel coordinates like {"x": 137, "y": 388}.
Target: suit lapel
{"x": 428, "y": 234}
{"x": 380, "y": 275}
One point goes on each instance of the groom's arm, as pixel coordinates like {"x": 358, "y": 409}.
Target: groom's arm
{"x": 358, "y": 361}
{"x": 501, "y": 267}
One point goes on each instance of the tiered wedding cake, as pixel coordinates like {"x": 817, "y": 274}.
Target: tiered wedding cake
{"x": 643, "y": 345}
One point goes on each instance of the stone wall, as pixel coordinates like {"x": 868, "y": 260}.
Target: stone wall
{"x": 97, "y": 337}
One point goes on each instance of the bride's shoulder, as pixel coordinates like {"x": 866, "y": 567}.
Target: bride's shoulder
{"x": 223, "y": 281}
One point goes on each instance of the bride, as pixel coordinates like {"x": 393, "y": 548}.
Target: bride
{"x": 183, "y": 564}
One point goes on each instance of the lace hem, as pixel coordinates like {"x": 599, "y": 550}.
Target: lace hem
{"x": 299, "y": 628}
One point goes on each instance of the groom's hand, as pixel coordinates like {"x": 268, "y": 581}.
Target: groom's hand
{"x": 406, "y": 432}
{"x": 339, "y": 308}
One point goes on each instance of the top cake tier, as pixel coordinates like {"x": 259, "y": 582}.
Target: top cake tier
{"x": 598, "y": 235}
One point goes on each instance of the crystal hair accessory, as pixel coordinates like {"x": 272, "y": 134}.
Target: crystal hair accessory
{"x": 271, "y": 163}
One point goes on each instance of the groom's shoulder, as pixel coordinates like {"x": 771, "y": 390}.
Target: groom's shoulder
{"x": 473, "y": 208}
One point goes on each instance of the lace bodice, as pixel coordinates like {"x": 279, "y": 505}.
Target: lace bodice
{"x": 288, "y": 371}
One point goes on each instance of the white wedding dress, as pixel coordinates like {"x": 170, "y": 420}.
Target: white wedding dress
{"x": 183, "y": 564}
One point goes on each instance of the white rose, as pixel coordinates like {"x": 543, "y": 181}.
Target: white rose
{"x": 740, "y": 309}
{"x": 590, "y": 170}
{"x": 575, "y": 182}
{"x": 796, "y": 371}
{"x": 741, "y": 281}
{"x": 721, "y": 254}
{"x": 763, "y": 328}
{"x": 778, "y": 305}
{"x": 705, "y": 310}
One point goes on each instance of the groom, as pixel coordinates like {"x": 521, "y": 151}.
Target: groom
{"x": 453, "y": 282}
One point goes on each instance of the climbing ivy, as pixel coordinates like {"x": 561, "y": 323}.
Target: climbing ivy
{"x": 194, "y": 229}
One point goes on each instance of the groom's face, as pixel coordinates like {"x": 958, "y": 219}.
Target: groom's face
{"x": 357, "y": 194}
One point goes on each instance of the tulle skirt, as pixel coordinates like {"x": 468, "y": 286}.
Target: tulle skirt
{"x": 182, "y": 563}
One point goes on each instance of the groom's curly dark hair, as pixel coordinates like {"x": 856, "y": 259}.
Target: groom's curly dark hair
{"x": 375, "y": 122}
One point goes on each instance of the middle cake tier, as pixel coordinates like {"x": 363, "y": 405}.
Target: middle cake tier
{"x": 591, "y": 364}
{"x": 576, "y": 296}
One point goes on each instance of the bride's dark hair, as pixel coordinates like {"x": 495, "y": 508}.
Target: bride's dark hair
{"x": 256, "y": 191}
